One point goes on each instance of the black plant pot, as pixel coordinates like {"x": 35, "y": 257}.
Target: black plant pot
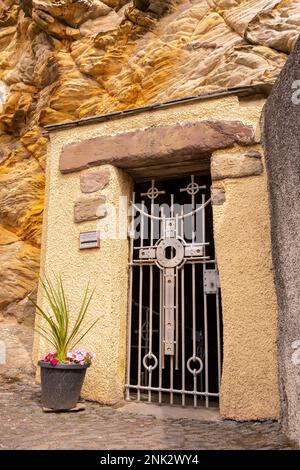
{"x": 61, "y": 385}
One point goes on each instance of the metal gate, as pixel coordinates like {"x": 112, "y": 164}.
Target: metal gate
{"x": 174, "y": 328}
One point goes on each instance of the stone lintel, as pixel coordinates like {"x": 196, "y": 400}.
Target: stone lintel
{"x": 162, "y": 144}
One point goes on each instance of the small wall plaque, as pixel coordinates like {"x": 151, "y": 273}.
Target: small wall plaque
{"x": 89, "y": 240}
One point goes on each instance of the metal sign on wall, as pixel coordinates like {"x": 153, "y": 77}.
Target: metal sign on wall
{"x": 88, "y": 240}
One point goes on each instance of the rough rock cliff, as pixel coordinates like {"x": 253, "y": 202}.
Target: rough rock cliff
{"x": 66, "y": 59}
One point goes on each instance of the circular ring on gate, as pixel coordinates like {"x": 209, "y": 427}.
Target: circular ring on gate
{"x": 153, "y": 193}
{"x": 194, "y": 371}
{"x": 150, "y": 356}
{"x": 170, "y": 244}
{"x": 192, "y": 189}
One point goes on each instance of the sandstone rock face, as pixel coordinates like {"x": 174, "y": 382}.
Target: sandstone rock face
{"x": 19, "y": 265}
{"x": 66, "y": 59}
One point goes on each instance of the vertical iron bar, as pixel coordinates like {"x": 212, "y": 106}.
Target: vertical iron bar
{"x": 182, "y": 221}
{"x": 193, "y": 207}
{"x": 182, "y": 336}
{"x": 177, "y": 319}
{"x": 163, "y": 296}
{"x": 194, "y": 294}
{"x": 130, "y": 300}
{"x": 150, "y": 328}
{"x": 194, "y": 327}
{"x": 172, "y": 206}
{"x": 171, "y": 379}
{"x": 182, "y": 318}
{"x": 177, "y": 304}
{"x": 172, "y": 357}
{"x": 160, "y": 334}
{"x": 140, "y": 308}
{"x": 151, "y": 300}
{"x": 218, "y": 336}
{"x": 145, "y": 345}
{"x": 161, "y": 319}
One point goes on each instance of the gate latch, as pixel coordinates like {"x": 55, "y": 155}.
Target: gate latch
{"x": 211, "y": 281}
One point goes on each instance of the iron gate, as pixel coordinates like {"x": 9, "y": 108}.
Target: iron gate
{"x": 174, "y": 328}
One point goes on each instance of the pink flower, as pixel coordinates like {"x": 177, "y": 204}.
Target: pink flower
{"x": 72, "y": 357}
{"x": 49, "y": 357}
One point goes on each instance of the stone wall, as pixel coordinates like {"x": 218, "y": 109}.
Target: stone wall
{"x": 282, "y": 147}
{"x": 241, "y": 224}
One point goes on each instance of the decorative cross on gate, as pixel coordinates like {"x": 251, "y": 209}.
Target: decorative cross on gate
{"x": 170, "y": 253}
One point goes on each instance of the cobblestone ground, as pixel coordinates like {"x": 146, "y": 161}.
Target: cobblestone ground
{"x": 23, "y": 425}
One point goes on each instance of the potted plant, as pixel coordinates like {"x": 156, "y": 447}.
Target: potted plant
{"x": 62, "y": 371}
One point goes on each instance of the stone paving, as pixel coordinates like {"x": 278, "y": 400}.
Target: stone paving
{"x": 23, "y": 425}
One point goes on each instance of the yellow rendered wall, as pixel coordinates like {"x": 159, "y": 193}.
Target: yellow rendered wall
{"x": 105, "y": 269}
{"x": 249, "y": 382}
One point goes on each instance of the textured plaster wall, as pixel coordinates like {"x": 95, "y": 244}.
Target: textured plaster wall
{"x": 249, "y": 383}
{"x": 106, "y": 269}
{"x": 242, "y": 234}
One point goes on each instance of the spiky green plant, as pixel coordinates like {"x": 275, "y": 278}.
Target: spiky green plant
{"x": 57, "y": 329}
